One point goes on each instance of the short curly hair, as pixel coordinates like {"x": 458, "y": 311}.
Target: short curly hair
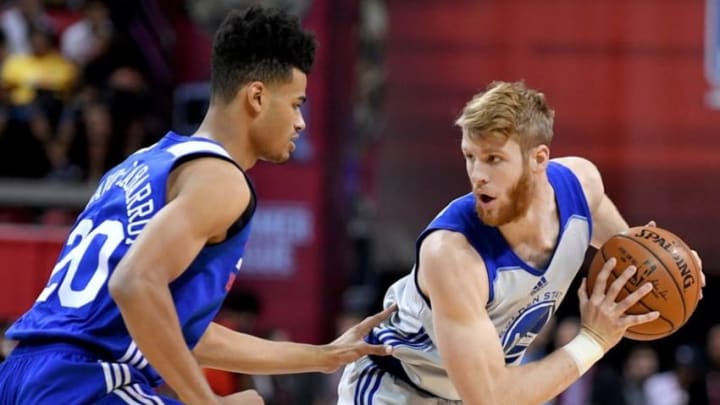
{"x": 262, "y": 44}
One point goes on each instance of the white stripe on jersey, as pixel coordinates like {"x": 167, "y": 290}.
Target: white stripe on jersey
{"x": 142, "y": 364}
{"x": 193, "y": 146}
{"x": 134, "y": 392}
{"x": 108, "y": 376}
{"x": 152, "y": 398}
{"x": 125, "y": 397}
{"x": 129, "y": 352}
{"x": 126, "y": 373}
{"x": 116, "y": 373}
{"x": 136, "y": 358}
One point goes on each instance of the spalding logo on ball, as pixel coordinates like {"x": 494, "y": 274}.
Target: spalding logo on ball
{"x": 663, "y": 260}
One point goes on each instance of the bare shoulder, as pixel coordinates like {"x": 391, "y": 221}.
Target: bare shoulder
{"x": 451, "y": 268}
{"x": 588, "y": 175}
{"x": 441, "y": 241}
{"x": 583, "y": 168}
{"x": 209, "y": 188}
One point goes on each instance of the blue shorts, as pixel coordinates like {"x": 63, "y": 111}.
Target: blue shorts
{"x": 61, "y": 373}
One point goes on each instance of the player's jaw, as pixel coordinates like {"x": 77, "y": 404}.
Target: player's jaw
{"x": 495, "y": 208}
{"x": 281, "y": 150}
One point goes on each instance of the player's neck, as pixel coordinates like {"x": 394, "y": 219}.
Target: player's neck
{"x": 539, "y": 225}
{"x": 227, "y": 127}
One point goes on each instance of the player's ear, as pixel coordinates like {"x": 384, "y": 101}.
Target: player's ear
{"x": 539, "y": 157}
{"x": 256, "y": 95}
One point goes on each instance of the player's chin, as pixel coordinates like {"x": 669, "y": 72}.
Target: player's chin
{"x": 279, "y": 158}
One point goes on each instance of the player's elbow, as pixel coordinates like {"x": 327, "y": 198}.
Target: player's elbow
{"x": 123, "y": 287}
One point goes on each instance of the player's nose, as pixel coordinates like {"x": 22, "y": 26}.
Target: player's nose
{"x": 479, "y": 177}
{"x": 299, "y": 123}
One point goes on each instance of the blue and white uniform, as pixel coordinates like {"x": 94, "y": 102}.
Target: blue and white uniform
{"x": 521, "y": 301}
{"x": 74, "y": 346}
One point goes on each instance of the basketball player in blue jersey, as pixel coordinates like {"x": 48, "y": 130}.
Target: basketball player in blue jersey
{"x": 149, "y": 261}
{"x": 492, "y": 268}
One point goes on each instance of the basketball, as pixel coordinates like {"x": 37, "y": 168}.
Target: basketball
{"x": 662, "y": 259}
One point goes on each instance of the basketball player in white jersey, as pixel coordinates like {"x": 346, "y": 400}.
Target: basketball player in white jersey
{"x": 492, "y": 268}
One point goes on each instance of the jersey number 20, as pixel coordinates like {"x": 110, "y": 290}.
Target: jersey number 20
{"x": 66, "y": 269}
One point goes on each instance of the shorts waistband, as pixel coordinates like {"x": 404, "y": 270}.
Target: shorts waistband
{"x": 38, "y": 346}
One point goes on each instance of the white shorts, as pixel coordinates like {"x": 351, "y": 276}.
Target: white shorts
{"x": 364, "y": 383}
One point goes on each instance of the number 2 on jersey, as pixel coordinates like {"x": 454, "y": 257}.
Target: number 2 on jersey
{"x": 66, "y": 269}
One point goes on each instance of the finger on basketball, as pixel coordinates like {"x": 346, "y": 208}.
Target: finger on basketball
{"x": 598, "y": 292}
{"x": 619, "y": 283}
{"x": 633, "y": 298}
{"x": 632, "y": 320}
{"x": 582, "y": 292}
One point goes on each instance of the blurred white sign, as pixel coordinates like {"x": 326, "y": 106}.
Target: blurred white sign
{"x": 278, "y": 229}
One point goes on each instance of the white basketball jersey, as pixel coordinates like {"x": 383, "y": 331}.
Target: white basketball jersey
{"x": 522, "y": 299}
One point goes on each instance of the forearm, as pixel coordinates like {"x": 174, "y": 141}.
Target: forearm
{"x": 542, "y": 380}
{"x": 152, "y": 321}
{"x": 607, "y": 221}
{"x": 224, "y": 349}
{"x": 481, "y": 377}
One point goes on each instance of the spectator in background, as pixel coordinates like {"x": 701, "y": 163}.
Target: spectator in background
{"x": 3, "y": 93}
{"x": 17, "y": 22}
{"x": 678, "y": 386}
{"x": 89, "y": 37}
{"x": 103, "y": 125}
{"x": 38, "y": 85}
{"x": 42, "y": 71}
{"x": 641, "y": 364}
{"x": 712, "y": 380}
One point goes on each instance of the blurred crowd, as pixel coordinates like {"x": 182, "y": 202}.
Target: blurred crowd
{"x": 74, "y": 94}
{"x": 75, "y": 99}
{"x": 639, "y": 378}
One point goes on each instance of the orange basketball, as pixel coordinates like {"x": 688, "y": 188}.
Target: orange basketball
{"x": 662, "y": 259}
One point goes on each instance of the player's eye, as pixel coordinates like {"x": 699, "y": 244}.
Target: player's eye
{"x": 494, "y": 159}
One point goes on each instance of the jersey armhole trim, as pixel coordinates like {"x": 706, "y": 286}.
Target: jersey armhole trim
{"x": 426, "y": 232}
{"x": 245, "y": 217}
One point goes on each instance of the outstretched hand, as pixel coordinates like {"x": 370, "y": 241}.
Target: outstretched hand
{"x": 351, "y": 345}
{"x": 602, "y": 316}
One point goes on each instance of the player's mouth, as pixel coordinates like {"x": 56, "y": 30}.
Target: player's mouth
{"x": 485, "y": 199}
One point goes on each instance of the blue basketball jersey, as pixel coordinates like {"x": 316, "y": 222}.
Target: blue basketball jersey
{"x": 76, "y": 306}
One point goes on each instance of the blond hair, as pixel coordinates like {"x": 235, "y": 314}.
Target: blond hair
{"x": 509, "y": 110}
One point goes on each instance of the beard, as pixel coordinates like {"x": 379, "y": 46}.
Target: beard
{"x": 518, "y": 198}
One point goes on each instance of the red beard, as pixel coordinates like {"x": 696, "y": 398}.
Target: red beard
{"x": 518, "y": 202}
